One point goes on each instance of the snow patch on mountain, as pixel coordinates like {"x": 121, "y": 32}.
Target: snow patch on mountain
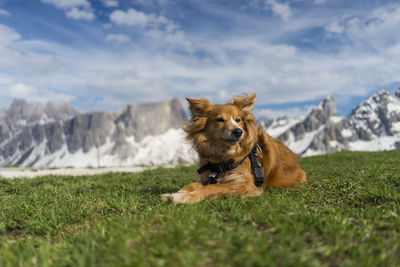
{"x": 396, "y": 126}
{"x": 335, "y": 119}
{"x": 165, "y": 149}
{"x": 276, "y": 127}
{"x": 377, "y": 144}
{"x": 300, "y": 145}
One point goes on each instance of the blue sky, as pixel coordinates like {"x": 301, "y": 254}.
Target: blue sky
{"x": 104, "y": 54}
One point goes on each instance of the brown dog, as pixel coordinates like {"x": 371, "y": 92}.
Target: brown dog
{"x": 228, "y": 133}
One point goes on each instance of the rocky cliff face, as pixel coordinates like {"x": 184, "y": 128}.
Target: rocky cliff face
{"x": 16, "y": 121}
{"x": 83, "y": 133}
{"x": 141, "y": 120}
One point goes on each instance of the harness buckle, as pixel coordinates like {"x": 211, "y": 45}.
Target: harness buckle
{"x": 213, "y": 174}
{"x": 213, "y": 177}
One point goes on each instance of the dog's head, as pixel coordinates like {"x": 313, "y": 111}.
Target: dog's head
{"x": 222, "y": 131}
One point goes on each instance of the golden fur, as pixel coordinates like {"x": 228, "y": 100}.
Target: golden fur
{"x": 210, "y": 131}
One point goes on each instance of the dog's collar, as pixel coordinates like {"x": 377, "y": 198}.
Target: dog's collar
{"x": 217, "y": 168}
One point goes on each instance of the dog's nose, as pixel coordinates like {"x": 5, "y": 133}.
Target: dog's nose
{"x": 237, "y": 132}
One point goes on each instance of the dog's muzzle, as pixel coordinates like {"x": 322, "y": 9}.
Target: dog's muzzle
{"x": 237, "y": 133}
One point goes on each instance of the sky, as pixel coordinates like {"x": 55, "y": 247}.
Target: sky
{"x": 105, "y": 54}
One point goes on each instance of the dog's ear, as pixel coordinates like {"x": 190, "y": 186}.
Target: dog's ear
{"x": 198, "y": 107}
{"x": 245, "y": 103}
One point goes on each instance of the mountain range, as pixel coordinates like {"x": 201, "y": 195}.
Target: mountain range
{"x": 373, "y": 125}
{"x": 57, "y": 135}
{"x": 142, "y": 134}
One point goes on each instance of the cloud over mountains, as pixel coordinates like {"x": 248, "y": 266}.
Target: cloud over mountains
{"x": 109, "y": 53}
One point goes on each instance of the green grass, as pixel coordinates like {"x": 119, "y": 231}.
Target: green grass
{"x": 348, "y": 214}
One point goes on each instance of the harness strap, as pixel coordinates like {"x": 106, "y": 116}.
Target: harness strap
{"x": 217, "y": 168}
{"x": 258, "y": 175}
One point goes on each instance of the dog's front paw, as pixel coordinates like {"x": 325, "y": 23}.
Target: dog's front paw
{"x": 166, "y": 197}
{"x": 177, "y": 198}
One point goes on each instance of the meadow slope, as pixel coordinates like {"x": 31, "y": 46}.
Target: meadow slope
{"x": 348, "y": 213}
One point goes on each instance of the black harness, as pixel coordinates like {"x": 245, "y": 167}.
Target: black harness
{"x": 217, "y": 168}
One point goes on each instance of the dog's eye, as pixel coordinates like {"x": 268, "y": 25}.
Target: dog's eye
{"x": 219, "y": 119}
{"x": 237, "y": 120}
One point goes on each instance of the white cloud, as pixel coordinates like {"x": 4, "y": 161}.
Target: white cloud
{"x": 334, "y": 28}
{"x": 66, "y": 4}
{"x": 162, "y": 64}
{"x": 14, "y": 60}
{"x": 21, "y": 90}
{"x": 75, "y": 9}
{"x": 281, "y": 9}
{"x": 77, "y": 14}
{"x": 33, "y": 94}
{"x": 133, "y": 17}
{"x": 276, "y": 113}
{"x": 110, "y": 3}
{"x": 7, "y": 35}
{"x": 118, "y": 38}
{"x": 374, "y": 30}
{"x": 277, "y": 73}
{"x": 319, "y": 2}
{"x": 4, "y": 12}
{"x": 18, "y": 64}
{"x": 40, "y": 63}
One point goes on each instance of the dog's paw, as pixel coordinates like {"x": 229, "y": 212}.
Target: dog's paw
{"x": 177, "y": 198}
{"x": 166, "y": 197}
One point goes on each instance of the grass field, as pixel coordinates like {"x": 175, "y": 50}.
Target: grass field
{"x": 347, "y": 214}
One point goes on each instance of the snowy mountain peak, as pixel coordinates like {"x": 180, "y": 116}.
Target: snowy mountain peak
{"x": 377, "y": 109}
{"x": 382, "y": 96}
{"x": 328, "y": 106}
{"x": 382, "y": 92}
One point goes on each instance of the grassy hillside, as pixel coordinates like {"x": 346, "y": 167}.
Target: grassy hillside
{"x": 348, "y": 213}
